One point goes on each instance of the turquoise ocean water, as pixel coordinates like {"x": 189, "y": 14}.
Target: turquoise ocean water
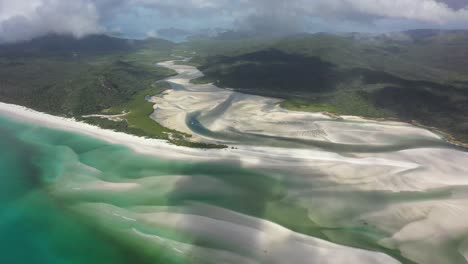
{"x": 34, "y": 226}
{"x": 48, "y": 215}
{"x": 69, "y": 198}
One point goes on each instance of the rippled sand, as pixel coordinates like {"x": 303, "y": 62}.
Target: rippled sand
{"x": 397, "y": 191}
{"x": 214, "y": 114}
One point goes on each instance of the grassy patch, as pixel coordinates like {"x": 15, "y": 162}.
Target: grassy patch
{"x": 139, "y": 110}
{"x": 74, "y": 87}
{"x": 203, "y": 80}
{"x": 341, "y": 103}
{"x": 73, "y": 78}
{"x": 307, "y": 106}
{"x": 137, "y": 121}
{"x": 148, "y": 57}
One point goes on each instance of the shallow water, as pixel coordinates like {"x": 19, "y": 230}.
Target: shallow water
{"x": 69, "y": 198}
{"x": 34, "y": 226}
{"x": 223, "y": 116}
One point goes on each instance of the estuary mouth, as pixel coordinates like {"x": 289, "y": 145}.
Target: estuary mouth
{"x": 293, "y": 187}
{"x": 222, "y": 116}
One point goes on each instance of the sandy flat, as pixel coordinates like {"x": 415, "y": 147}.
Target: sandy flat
{"x": 225, "y": 113}
{"x": 399, "y": 179}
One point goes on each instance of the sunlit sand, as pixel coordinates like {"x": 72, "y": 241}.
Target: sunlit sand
{"x": 391, "y": 179}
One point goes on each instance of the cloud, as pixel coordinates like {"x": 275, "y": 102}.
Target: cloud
{"x": 23, "y": 20}
{"x": 26, "y": 19}
{"x": 422, "y": 10}
{"x": 455, "y": 4}
{"x": 152, "y": 34}
{"x": 297, "y": 14}
{"x": 302, "y": 15}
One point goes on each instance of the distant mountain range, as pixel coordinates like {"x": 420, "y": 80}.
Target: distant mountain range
{"x": 419, "y": 75}
{"x": 66, "y": 45}
{"x": 174, "y": 34}
{"x": 67, "y": 76}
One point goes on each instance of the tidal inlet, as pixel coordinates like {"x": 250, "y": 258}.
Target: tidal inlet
{"x": 291, "y": 187}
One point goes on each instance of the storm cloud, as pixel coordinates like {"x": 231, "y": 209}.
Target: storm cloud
{"x": 26, "y": 19}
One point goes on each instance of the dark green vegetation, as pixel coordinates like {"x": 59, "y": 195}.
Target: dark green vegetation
{"x": 68, "y": 77}
{"x": 136, "y": 119}
{"x": 408, "y": 75}
{"x": 67, "y": 46}
{"x": 340, "y": 103}
{"x": 74, "y": 87}
{"x": 65, "y": 77}
{"x": 42, "y": 208}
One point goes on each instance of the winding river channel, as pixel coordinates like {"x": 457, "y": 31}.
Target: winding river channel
{"x": 223, "y": 116}
{"x": 292, "y": 188}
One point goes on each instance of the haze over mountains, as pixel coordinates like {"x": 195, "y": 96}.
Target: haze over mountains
{"x": 24, "y": 20}
{"x": 234, "y": 131}
{"x": 68, "y": 76}
{"x": 412, "y": 75}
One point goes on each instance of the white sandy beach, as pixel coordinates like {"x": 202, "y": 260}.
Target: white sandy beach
{"x": 225, "y": 112}
{"x": 413, "y": 189}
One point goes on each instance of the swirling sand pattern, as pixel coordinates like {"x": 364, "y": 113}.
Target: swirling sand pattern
{"x": 360, "y": 192}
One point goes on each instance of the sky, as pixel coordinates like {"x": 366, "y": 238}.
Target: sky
{"x": 22, "y": 20}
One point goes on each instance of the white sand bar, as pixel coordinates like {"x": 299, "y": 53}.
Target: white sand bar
{"x": 399, "y": 179}
{"x": 231, "y": 117}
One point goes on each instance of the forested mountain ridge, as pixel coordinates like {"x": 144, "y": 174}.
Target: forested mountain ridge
{"x": 418, "y": 75}
{"x": 67, "y": 76}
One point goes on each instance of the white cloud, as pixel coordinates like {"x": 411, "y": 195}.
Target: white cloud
{"x": 422, "y": 10}
{"x": 184, "y": 3}
{"x": 152, "y": 34}
{"x": 23, "y": 20}
{"x": 26, "y": 19}
{"x": 290, "y": 14}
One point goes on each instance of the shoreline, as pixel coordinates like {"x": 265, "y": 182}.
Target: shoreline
{"x": 446, "y": 136}
{"x": 404, "y": 181}
{"x": 270, "y": 230}
{"x": 138, "y": 144}
{"x": 443, "y": 134}
{"x": 413, "y": 170}
{"x": 153, "y": 146}
{"x": 261, "y": 157}
{"x": 228, "y": 117}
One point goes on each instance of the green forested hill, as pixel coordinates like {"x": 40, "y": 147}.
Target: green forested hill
{"x": 62, "y": 45}
{"x": 94, "y": 75}
{"x": 419, "y": 54}
{"x": 61, "y": 75}
{"x": 417, "y": 75}
{"x": 406, "y": 75}
{"x": 76, "y": 87}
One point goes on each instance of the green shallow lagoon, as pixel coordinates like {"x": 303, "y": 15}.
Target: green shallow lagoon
{"x": 35, "y": 227}
{"x": 41, "y": 215}
{"x": 69, "y": 198}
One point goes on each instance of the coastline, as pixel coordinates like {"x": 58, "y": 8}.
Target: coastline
{"x": 243, "y": 155}
{"x": 304, "y": 245}
{"x": 218, "y": 115}
{"x": 443, "y": 134}
{"x": 154, "y": 147}
{"x": 389, "y": 174}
